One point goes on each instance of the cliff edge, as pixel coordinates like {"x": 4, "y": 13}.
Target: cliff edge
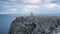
{"x": 35, "y": 25}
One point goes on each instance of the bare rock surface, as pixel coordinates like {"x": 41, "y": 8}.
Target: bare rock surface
{"x": 35, "y": 25}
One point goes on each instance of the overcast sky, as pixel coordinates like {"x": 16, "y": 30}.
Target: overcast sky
{"x": 28, "y": 6}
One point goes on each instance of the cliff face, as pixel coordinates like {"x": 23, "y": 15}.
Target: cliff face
{"x": 35, "y": 25}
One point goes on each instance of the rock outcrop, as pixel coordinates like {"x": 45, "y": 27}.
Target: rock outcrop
{"x": 35, "y": 25}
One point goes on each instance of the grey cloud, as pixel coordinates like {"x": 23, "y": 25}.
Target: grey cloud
{"x": 2, "y": 9}
{"x": 56, "y": 2}
{"x": 5, "y": 0}
{"x": 29, "y": 2}
{"x": 10, "y": 9}
{"x": 22, "y": 9}
{"x": 27, "y": 10}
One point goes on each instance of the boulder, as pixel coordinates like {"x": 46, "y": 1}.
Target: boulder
{"x": 35, "y": 25}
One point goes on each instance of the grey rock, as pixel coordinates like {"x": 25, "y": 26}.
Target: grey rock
{"x": 35, "y": 25}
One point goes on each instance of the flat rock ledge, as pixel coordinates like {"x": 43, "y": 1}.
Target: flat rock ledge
{"x": 35, "y": 25}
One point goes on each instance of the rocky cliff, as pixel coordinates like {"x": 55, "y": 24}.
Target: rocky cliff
{"x": 35, "y": 25}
